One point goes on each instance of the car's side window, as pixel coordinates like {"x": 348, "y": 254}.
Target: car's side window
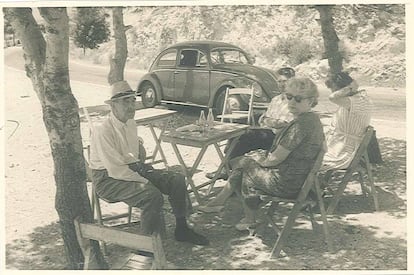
{"x": 202, "y": 60}
{"x": 168, "y": 59}
{"x": 188, "y": 58}
{"x": 216, "y": 57}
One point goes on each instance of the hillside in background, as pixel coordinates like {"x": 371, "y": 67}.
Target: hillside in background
{"x": 372, "y": 39}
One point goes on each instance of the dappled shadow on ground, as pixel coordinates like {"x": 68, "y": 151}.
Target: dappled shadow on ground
{"x": 355, "y": 246}
{"x": 390, "y": 182}
{"x": 42, "y": 249}
{"x": 362, "y": 239}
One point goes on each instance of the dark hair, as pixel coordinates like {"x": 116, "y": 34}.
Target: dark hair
{"x": 340, "y": 80}
{"x": 286, "y": 71}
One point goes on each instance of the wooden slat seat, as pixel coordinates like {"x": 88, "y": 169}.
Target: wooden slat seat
{"x": 86, "y": 232}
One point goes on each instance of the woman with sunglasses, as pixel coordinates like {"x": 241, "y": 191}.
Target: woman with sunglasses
{"x": 282, "y": 170}
{"x": 275, "y": 118}
{"x": 349, "y": 123}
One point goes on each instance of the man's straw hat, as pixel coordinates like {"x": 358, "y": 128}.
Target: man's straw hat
{"x": 120, "y": 89}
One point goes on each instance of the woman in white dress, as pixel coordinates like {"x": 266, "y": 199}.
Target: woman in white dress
{"x": 349, "y": 123}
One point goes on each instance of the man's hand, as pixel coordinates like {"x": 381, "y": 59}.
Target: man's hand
{"x": 141, "y": 168}
{"x": 135, "y": 166}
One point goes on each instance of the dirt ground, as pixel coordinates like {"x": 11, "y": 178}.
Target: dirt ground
{"x": 362, "y": 239}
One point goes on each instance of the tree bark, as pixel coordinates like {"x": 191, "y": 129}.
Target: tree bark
{"x": 117, "y": 63}
{"x": 330, "y": 38}
{"x": 46, "y": 64}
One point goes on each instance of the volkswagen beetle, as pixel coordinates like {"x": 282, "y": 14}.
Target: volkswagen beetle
{"x": 198, "y": 73}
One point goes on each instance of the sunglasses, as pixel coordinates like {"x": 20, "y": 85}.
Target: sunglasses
{"x": 298, "y": 98}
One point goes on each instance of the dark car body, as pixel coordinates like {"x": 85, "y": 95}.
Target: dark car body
{"x": 198, "y": 73}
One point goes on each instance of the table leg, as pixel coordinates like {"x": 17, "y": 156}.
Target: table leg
{"x": 224, "y": 162}
{"x": 188, "y": 173}
{"x": 157, "y": 140}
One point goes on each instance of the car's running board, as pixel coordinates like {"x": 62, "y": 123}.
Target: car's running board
{"x": 183, "y": 103}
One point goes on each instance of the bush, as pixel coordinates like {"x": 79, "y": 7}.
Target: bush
{"x": 297, "y": 50}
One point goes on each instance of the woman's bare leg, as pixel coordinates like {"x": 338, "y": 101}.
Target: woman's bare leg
{"x": 222, "y": 196}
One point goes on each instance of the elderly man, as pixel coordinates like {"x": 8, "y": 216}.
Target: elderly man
{"x": 118, "y": 174}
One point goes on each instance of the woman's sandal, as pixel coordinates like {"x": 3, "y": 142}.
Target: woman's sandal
{"x": 244, "y": 225}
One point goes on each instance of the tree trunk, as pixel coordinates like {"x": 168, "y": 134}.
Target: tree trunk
{"x": 117, "y": 64}
{"x": 330, "y": 38}
{"x": 48, "y": 70}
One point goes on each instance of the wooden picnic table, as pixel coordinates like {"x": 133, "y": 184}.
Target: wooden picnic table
{"x": 195, "y": 138}
{"x": 149, "y": 116}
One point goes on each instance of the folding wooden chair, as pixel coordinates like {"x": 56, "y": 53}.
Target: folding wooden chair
{"x": 239, "y": 114}
{"x": 85, "y": 232}
{"x": 360, "y": 164}
{"x": 303, "y": 201}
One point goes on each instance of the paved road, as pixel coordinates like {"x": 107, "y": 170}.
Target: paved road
{"x": 389, "y": 103}
{"x": 79, "y": 71}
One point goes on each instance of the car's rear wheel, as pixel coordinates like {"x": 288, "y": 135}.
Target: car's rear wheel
{"x": 149, "y": 95}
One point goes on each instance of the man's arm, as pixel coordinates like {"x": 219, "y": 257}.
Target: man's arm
{"x": 114, "y": 161}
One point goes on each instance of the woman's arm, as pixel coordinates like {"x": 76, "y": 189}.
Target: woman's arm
{"x": 341, "y": 98}
{"x": 274, "y": 123}
{"x": 276, "y": 157}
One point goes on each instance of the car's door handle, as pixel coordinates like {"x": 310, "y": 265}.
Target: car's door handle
{"x": 176, "y": 72}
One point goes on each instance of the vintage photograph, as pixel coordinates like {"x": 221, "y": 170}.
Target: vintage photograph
{"x": 204, "y": 136}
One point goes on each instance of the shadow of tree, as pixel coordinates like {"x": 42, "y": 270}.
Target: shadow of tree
{"x": 390, "y": 181}
{"x": 42, "y": 249}
{"x": 355, "y": 246}
{"x": 358, "y": 244}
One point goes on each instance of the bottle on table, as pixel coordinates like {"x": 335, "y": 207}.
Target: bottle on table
{"x": 210, "y": 119}
{"x": 202, "y": 121}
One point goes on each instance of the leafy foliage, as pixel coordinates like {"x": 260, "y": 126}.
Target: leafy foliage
{"x": 91, "y": 28}
{"x": 372, "y": 37}
{"x": 297, "y": 50}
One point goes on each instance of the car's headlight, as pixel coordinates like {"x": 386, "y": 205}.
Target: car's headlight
{"x": 257, "y": 89}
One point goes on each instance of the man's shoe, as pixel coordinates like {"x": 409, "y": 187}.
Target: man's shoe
{"x": 223, "y": 175}
{"x": 210, "y": 209}
{"x": 190, "y": 236}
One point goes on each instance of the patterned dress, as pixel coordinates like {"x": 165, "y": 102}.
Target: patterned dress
{"x": 346, "y": 132}
{"x": 304, "y": 137}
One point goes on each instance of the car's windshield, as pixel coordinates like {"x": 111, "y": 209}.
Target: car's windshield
{"x": 228, "y": 56}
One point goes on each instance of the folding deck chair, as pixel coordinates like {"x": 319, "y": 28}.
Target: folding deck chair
{"x": 231, "y": 115}
{"x": 303, "y": 201}
{"x": 360, "y": 164}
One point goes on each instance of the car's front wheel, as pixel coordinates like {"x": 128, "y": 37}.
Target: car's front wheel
{"x": 148, "y": 95}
